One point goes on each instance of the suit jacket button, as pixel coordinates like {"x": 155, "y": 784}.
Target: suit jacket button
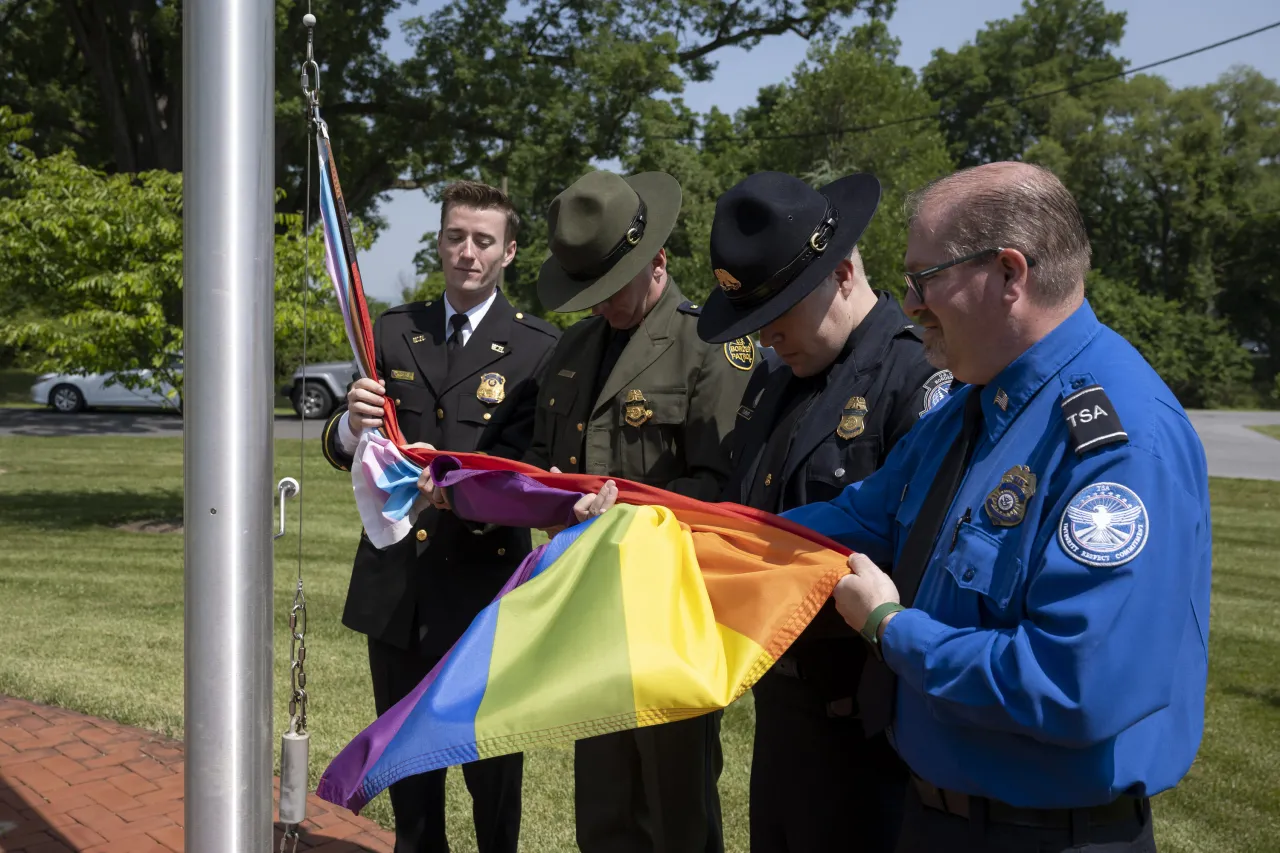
{"x": 440, "y": 414}
{"x": 502, "y": 551}
{"x": 487, "y": 416}
{"x": 551, "y": 402}
{"x": 839, "y": 472}
{"x": 573, "y": 460}
{"x": 397, "y": 401}
{"x": 422, "y": 536}
{"x": 580, "y": 426}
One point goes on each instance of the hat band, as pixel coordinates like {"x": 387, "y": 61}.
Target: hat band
{"x": 817, "y": 245}
{"x": 632, "y": 238}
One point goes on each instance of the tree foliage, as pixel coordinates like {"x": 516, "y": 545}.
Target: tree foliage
{"x": 93, "y": 278}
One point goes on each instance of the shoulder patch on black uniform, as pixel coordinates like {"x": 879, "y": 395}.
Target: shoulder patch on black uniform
{"x": 1092, "y": 420}
{"x": 537, "y": 323}
{"x": 741, "y": 353}
{"x": 936, "y": 389}
{"x": 688, "y": 307}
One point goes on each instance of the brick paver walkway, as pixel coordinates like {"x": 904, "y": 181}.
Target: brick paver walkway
{"x": 74, "y": 783}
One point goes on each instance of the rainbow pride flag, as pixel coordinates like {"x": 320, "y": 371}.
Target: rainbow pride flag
{"x": 662, "y": 608}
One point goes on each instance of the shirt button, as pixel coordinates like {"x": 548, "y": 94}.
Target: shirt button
{"x": 502, "y": 551}
{"x": 573, "y": 460}
{"x": 969, "y": 573}
{"x": 440, "y": 414}
{"x": 422, "y": 536}
{"x": 487, "y": 416}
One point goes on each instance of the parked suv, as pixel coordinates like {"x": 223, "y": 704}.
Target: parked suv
{"x": 326, "y": 388}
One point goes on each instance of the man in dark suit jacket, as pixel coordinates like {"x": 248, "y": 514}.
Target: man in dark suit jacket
{"x": 462, "y": 372}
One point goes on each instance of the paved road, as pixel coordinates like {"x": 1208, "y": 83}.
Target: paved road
{"x": 43, "y": 422}
{"x": 1233, "y": 449}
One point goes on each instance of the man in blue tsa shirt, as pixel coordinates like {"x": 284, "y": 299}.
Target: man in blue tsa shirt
{"x": 1040, "y": 648}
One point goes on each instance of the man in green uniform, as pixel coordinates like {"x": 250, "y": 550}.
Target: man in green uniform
{"x": 633, "y": 392}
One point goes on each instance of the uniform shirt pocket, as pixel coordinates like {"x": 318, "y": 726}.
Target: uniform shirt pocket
{"x": 650, "y": 431}
{"x": 472, "y": 411}
{"x": 407, "y": 397}
{"x": 977, "y": 564}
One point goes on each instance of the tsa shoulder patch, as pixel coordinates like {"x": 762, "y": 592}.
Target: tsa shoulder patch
{"x": 741, "y": 353}
{"x": 1105, "y": 525}
{"x": 1092, "y": 420}
{"x": 936, "y": 388}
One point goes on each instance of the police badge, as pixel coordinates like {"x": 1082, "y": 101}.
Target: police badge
{"x": 636, "y": 413}
{"x": 851, "y": 418}
{"x": 1007, "y": 504}
{"x": 493, "y": 388}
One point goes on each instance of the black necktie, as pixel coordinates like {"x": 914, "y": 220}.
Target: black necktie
{"x": 454, "y": 343}
{"x": 878, "y": 686}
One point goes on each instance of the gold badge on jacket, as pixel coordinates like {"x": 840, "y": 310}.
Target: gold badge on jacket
{"x": 636, "y": 409}
{"x": 741, "y": 353}
{"x": 727, "y": 281}
{"x": 402, "y": 374}
{"x": 1007, "y": 504}
{"x": 852, "y": 418}
{"x": 493, "y": 388}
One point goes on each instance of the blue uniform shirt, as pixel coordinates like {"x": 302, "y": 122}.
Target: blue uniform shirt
{"x": 1059, "y": 661}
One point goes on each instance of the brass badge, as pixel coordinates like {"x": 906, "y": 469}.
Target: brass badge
{"x": 636, "y": 409}
{"x": 498, "y": 348}
{"x": 492, "y": 388}
{"x": 851, "y": 418}
{"x": 727, "y": 281}
{"x": 402, "y": 374}
{"x": 417, "y": 339}
{"x": 1007, "y": 504}
{"x": 741, "y": 353}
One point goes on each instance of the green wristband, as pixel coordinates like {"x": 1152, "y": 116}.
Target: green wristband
{"x": 871, "y": 630}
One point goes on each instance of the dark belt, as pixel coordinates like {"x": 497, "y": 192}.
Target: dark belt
{"x": 962, "y": 805}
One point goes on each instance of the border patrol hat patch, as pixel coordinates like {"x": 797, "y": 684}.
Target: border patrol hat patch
{"x": 741, "y": 353}
{"x": 1104, "y": 525}
{"x": 936, "y": 388}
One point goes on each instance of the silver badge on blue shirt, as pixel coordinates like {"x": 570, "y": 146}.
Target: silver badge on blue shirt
{"x": 936, "y": 388}
{"x": 1104, "y": 525}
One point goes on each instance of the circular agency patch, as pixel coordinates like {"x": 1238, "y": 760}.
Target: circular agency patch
{"x": 1104, "y": 525}
{"x": 936, "y": 388}
{"x": 741, "y": 353}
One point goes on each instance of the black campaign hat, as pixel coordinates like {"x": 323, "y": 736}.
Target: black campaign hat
{"x": 773, "y": 241}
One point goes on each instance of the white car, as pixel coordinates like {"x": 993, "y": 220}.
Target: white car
{"x": 68, "y": 392}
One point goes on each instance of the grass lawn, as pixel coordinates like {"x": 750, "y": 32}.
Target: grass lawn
{"x": 92, "y": 620}
{"x": 1267, "y": 429}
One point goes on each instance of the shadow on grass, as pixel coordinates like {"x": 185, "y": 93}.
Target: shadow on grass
{"x": 1267, "y": 697}
{"x": 62, "y": 510}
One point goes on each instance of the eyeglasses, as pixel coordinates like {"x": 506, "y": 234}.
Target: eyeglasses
{"x": 915, "y": 280}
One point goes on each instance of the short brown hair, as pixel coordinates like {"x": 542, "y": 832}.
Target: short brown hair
{"x": 481, "y": 197}
{"x": 1014, "y": 205}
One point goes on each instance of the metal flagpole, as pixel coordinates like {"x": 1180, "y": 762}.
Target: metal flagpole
{"x": 228, "y": 177}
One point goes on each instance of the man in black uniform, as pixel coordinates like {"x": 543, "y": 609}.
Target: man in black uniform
{"x": 847, "y": 379}
{"x": 462, "y": 372}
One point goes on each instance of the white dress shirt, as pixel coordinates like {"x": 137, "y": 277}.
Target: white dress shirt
{"x": 475, "y": 314}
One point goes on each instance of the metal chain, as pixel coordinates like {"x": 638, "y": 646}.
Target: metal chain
{"x": 298, "y": 612}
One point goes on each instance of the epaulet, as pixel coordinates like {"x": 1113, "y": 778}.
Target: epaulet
{"x": 910, "y": 330}
{"x": 538, "y": 324}
{"x": 1091, "y": 419}
{"x": 688, "y": 307}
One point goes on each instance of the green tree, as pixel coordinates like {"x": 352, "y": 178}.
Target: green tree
{"x": 93, "y": 274}
{"x": 803, "y": 127}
